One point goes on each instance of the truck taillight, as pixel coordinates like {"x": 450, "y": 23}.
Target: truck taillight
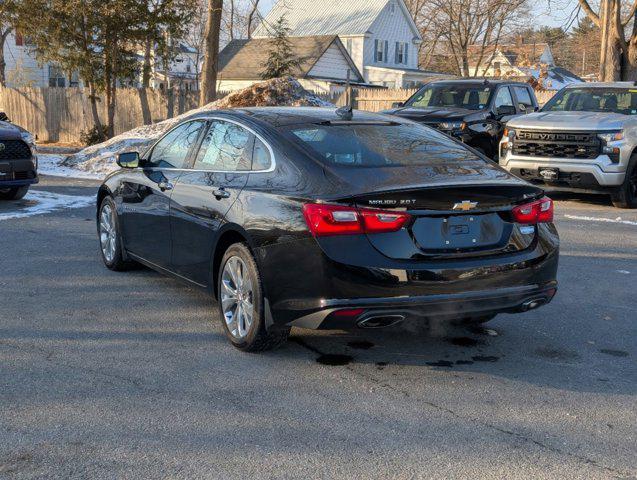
{"x": 540, "y": 211}
{"x": 325, "y": 219}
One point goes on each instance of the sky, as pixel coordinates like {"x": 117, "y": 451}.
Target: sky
{"x": 554, "y": 13}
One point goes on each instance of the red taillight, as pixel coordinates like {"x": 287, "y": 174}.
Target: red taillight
{"x": 540, "y": 211}
{"x": 324, "y": 219}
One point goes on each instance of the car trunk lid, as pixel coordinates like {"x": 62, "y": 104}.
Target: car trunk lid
{"x": 451, "y": 221}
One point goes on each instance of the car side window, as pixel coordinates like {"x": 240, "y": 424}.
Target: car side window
{"x": 503, "y": 97}
{"x": 261, "y": 159}
{"x": 523, "y": 96}
{"x": 227, "y": 147}
{"x": 172, "y": 150}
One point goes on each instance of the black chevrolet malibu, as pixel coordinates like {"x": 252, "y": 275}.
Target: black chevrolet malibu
{"x": 318, "y": 218}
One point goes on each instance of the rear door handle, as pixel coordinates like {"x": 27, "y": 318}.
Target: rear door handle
{"x": 220, "y": 193}
{"x": 165, "y": 185}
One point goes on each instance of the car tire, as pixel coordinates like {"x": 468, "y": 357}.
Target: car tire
{"x": 14, "y": 193}
{"x": 626, "y": 195}
{"x": 241, "y": 291}
{"x": 109, "y": 236}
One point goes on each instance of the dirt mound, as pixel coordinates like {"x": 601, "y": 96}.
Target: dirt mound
{"x": 285, "y": 91}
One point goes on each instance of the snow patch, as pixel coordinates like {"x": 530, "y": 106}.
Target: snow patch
{"x": 52, "y": 164}
{"x": 599, "y": 219}
{"x": 38, "y": 202}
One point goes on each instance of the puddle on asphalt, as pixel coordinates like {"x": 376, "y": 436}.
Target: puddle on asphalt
{"x": 334, "y": 359}
{"x": 360, "y": 344}
{"x": 485, "y": 358}
{"x": 556, "y": 354}
{"x": 440, "y": 363}
{"x": 614, "y": 353}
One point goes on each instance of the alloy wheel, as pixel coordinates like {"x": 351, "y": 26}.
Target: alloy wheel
{"x": 237, "y": 298}
{"x": 108, "y": 233}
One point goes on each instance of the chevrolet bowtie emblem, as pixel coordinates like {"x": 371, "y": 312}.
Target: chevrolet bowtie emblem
{"x": 465, "y": 205}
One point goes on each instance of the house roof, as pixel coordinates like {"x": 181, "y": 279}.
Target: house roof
{"x": 338, "y": 17}
{"x": 245, "y": 59}
{"x": 516, "y": 54}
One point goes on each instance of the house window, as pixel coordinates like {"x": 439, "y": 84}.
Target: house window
{"x": 348, "y": 46}
{"x": 380, "y": 51}
{"x": 496, "y": 65}
{"x": 56, "y": 77}
{"x": 401, "y": 56}
{"x": 22, "y": 40}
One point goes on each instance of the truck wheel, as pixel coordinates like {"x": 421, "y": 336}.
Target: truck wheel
{"x": 626, "y": 195}
{"x": 15, "y": 193}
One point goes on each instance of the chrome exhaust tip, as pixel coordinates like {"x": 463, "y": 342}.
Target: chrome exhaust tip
{"x": 533, "y": 303}
{"x": 380, "y": 321}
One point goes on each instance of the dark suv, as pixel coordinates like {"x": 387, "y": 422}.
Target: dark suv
{"x": 18, "y": 163}
{"x": 474, "y": 111}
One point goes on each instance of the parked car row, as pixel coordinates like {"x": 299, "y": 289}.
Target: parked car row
{"x": 584, "y": 138}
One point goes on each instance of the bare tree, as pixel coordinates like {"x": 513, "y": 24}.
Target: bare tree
{"x": 252, "y": 16}
{"x": 618, "y": 52}
{"x": 195, "y": 37}
{"x": 211, "y": 52}
{"x": 451, "y": 27}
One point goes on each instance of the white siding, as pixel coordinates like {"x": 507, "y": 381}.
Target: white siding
{"x": 393, "y": 27}
{"x": 22, "y": 68}
{"x": 358, "y": 53}
{"x": 332, "y": 65}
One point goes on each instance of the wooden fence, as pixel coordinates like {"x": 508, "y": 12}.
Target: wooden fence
{"x": 62, "y": 114}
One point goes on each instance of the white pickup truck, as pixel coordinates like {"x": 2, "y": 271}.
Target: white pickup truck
{"x": 585, "y": 137}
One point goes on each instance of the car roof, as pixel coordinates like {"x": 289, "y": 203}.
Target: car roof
{"x": 603, "y": 85}
{"x": 279, "y": 116}
{"x": 476, "y": 81}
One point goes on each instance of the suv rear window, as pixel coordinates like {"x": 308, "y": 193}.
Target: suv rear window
{"x": 380, "y": 145}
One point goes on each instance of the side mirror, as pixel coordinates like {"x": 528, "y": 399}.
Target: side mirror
{"x": 128, "y": 160}
{"x": 522, "y": 107}
{"x": 3, "y": 117}
{"x": 397, "y": 104}
{"x": 504, "y": 110}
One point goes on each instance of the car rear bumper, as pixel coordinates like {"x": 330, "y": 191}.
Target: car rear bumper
{"x": 327, "y": 315}
{"x": 305, "y": 284}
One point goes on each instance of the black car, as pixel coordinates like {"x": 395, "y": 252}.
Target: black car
{"x": 473, "y": 111}
{"x": 18, "y": 163}
{"x": 309, "y": 217}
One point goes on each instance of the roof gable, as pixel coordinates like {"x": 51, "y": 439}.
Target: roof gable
{"x": 245, "y": 59}
{"x": 516, "y": 54}
{"x": 333, "y": 17}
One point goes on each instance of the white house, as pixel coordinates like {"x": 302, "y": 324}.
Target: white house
{"x": 22, "y": 69}
{"x": 379, "y": 35}
{"x": 509, "y": 60}
{"x": 183, "y": 70}
{"x": 323, "y": 63}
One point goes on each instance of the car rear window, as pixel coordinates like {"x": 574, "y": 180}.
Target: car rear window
{"x": 379, "y": 145}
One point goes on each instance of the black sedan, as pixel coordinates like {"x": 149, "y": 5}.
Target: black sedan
{"x": 315, "y": 218}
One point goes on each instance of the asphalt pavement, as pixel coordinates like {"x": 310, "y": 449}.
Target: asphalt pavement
{"x": 129, "y": 375}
